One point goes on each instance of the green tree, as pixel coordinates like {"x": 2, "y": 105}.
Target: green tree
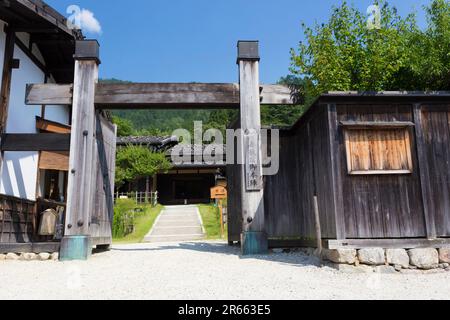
{"x": 345, "y": 54}
{"x": 124, "y": 127}
{"x": 134, "y": 162}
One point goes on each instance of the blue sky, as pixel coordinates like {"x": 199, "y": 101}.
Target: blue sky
{"x": 195, "y": 40}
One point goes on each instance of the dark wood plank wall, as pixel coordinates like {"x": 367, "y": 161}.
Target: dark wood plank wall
{"x": 234, "y": 200}
{"x": 305, "y": 171}
{"x": 284, "y": 218}
{"x": 319, "y": 139}
{"x": 17, "y": 220}
{"x": 381, "y": 206}
{"x": 101, "y": 217}
{"x": 436, "y": 143}
{"x": 234, "y": 212}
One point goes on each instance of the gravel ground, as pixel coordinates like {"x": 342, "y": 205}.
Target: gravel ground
{"x": 205, "y": 270}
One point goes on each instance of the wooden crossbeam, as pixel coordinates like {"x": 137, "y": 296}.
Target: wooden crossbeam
{"x": 49, "y": 94}
{"x": 158, "y": 95}
{"x": 35, "y": 142}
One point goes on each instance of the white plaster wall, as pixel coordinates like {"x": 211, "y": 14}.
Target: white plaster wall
{"x": 19, "y": 170}
{"x": 22, "y": 118}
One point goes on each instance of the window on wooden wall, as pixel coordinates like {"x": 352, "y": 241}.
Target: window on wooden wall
{"x": 377, "y": 149}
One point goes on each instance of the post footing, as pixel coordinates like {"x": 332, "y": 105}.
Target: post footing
{"x": 75, "y": 248}
{"x": 254, "y": 242}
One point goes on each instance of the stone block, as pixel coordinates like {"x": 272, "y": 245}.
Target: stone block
{"x": 444, "y": 255}
{"x": 43, "y": 256}
{"x": 347, "y": 256}
{"x": 372, "y": 256}
{"x": 397, "y": 257}
{"x": 424, "y": 258}
{"x": 12, "y": 256}
{"x": 28, "y": 256}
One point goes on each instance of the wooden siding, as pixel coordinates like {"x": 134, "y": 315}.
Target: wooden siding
{"x": 436, "y": 143}
{"x": 381, "y": 206}
{"x": 17, "y": 220}
{"x": 305, "y": 171}
{"x": 234, "y": 200}
{"x": 234, "y": 213}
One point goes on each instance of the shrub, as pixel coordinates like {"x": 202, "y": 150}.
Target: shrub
{"x": 124, "y": 213}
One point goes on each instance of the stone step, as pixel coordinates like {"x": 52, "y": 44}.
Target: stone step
{"x": 186, "y": 222}
{"x": 177, "y": 223}
{"x": 158, "y": 231}
{"x": 175, "y": 238}
{"x": 180, "y": 216}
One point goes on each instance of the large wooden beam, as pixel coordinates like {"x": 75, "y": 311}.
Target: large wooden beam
{"x": 76, "y": 243}
{"x": 35, "y": 142}
{"x": 254, "y": 237}
{"x": 167, "y": 94}
{"x": 49, "y": 94}
{"x": 158, "y": 95}
{"x": 407, "y": 243}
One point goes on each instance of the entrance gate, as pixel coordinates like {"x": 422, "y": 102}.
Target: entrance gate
{"x": 87, "y": 97}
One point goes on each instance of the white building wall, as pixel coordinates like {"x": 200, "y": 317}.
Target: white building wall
{"x": 19, "y": 170}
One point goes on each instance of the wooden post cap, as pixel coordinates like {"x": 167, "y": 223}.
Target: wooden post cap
{"x": 248, "y": 50}
{"x": 87, "y": 50}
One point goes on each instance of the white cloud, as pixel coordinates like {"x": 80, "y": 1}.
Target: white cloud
{"x": 88, "y": 22}
{"x": 83, "y": 19}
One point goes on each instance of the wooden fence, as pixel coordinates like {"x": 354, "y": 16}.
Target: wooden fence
{"x": 139, "y": 197}
{"x": 17, "y": 220}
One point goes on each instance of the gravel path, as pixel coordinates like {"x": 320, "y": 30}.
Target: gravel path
{"x": 205, "y": 270}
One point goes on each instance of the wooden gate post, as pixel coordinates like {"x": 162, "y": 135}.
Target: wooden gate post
{"x": 76, "y": 244}
{"x": 253, "y": 237}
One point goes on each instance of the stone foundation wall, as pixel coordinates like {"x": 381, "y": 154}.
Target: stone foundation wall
{"x": 390, "y": 260}
{"x": 43, "y": 256}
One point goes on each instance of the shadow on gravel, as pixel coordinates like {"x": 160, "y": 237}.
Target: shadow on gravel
{"x": 292, "y": 258}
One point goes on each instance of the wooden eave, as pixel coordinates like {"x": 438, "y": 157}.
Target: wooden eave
{"x": 364, "y": 98}
{"x": 48, "y": 31}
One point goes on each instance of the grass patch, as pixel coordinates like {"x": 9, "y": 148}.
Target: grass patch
{"x": 142, "y": 225}
{"x": 211, "y": 221}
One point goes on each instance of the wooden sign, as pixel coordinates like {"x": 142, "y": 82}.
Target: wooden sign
{"x": 218, "y": 193}
{"x": 253, "y": 169}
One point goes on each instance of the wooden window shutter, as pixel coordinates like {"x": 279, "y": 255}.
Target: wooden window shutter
{"x": 54, "y": 161}
{"x": 384, "y": 150}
